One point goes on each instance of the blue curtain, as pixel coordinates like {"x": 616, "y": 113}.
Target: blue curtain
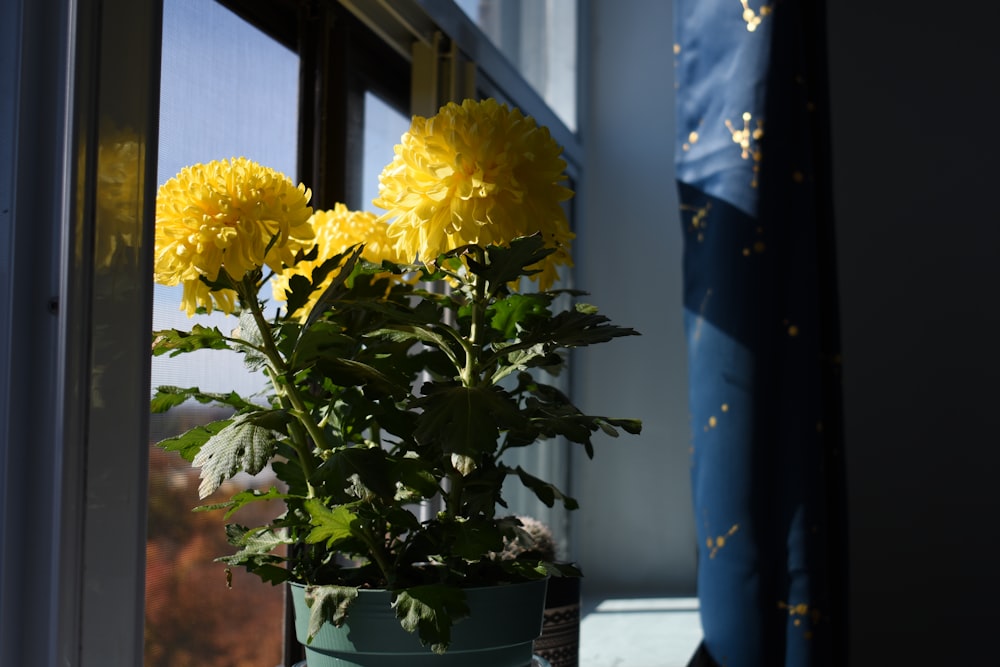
{"x": 761, "y": 318}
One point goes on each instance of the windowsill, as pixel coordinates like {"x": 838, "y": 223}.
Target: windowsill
{"x": 639, "y": 632}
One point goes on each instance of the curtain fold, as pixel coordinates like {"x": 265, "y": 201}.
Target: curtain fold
{"x": 761, "y": 318}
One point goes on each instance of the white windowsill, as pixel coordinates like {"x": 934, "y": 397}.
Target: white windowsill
{"x": 639, "y": 632}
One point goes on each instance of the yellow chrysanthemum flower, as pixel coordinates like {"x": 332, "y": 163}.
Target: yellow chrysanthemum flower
{"x": 480, "y": 173}
{"x": 223, "y": 215}
{"x": 335, "y": 231}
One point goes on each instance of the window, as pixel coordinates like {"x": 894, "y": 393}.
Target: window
{"x": 539, "y": 39}
{"x": 219, "y": 98}
{"x": 76, "y": 74}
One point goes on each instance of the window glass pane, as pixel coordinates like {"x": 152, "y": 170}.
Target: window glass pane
{"x": 384, "y": 127}
{"x": 539, "y": 38}
{"x": 227, "y": 90}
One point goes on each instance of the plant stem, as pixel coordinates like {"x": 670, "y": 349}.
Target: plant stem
{"x": 378, "y": 553}
{"x": 285, "y": 388}
{"x": 473, "y": 352}
{"x": 471, "y": 373}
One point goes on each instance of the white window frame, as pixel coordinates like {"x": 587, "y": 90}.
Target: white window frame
{"x": 72, "y": 472}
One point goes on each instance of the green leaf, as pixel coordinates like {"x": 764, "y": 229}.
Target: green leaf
{"x": 368, "y": 464}
{"x": 242, "y": 499}
{"x": 606, "y": 424}
{"x": 431, "y": 610}
{"x": 414, "y": 333}
{"x": 244, "y": 445}
{"x": 474, "y": 537}
{"x": 536, "y": 356}
{"x": 336, "y": 287}
{"x": 332, "y": 525}
{"x": 322, "y": 339}
{"x": 583, "y": 326}
{"x": 507, "y": 314}
{"x": 167, "y": 397}
{"x": 348, "y": 372}
{"x": 249, "y": 331}
{"x": 177, "y": 342}
{"x": 190, "y": 443}
{"x": 298, "y": 292}
{"x": 464, "y": 420}
{"x": 256, "y": 546}
{"x": 546, "y": 492}
{"x": 417, "y": 476}
{"x": 328, "y": 604}
{"x": 506, "y": 264}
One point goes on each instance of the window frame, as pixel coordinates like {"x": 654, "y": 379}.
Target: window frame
{"x": 72, "y": 510}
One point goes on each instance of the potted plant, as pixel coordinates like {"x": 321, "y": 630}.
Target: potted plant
{"x": 406, "y": 356}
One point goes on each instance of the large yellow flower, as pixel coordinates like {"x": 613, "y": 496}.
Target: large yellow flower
{"x": 224, "y": 215}
{"x": 480, "y": 173}
{"x": 337, "y": 230}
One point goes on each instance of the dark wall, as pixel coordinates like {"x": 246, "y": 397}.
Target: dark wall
{"x": 916, "y": 138}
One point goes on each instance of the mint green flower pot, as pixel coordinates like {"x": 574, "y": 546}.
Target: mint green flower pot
{"x": 499, "y": 632}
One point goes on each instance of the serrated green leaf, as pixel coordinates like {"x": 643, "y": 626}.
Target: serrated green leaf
{"x": 328, "y": 604}
{"x": 508, "y": 263}
{"x": 369, "y": 464}
{"x": 330, "y": 525}
{"x": 536, "y": 356}
{"x": 244, "y": 445}
{"x": 167, "y": 397}
{"x": 417, "y": 476}
{"x": 336, "y": 287}
{"x": 348, "y": 373}
{"x": 464, "y": 420}
{"x": 414, "y": 333}
{"x": 430, "y": 611}
{"x": 576, "y": 328}
{"x": 164, "y": 400}
{"x": 507, "y": 314}
{"x": 255, "y": 546}
{"x": 177, "y": 342}
{"x": 188, "y": 444}
{"x": 249, "y": 331}
{"x": 242, "y": 499}
{"x": 298, "y": 292}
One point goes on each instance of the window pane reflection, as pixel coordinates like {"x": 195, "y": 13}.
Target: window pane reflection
{"x": 227, "y": 90}
{"x": 539, "y": 38}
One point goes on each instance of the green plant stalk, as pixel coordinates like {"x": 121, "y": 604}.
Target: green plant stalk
{"x": 378, "y": 553}
{"x": 285, "y": 390}
{"x": 471, "y": 373}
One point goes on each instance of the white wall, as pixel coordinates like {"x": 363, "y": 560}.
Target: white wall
{"x": 635, "y": 530}
{"x": 914, "y": 90}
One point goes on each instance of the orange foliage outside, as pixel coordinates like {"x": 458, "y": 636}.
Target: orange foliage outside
{"x": 192, "y": 618}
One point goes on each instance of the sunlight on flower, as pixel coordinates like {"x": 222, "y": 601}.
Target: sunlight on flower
{"x": 337, "y": 230}
{"x": 223, "y": 215}
{"x": 480, "y": 173}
